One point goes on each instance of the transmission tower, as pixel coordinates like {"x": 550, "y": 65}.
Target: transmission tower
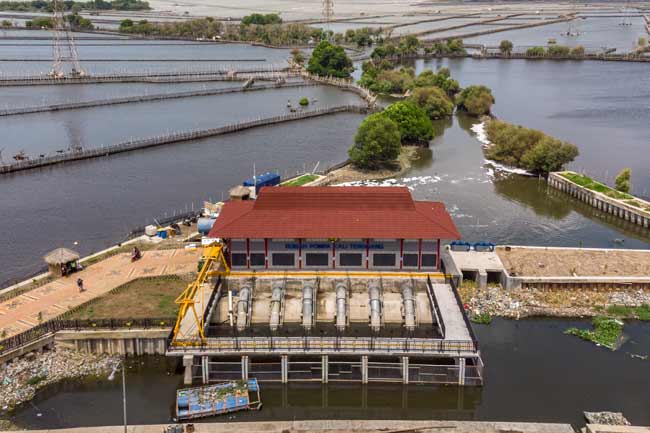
{"x": 63, "y": 48}
{"x": 328, "y": 10}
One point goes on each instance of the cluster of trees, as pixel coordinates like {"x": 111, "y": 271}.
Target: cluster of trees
{"x": 475, "y": 100}
{"x": 6, "y": 23}
{"x": 329, "y": 60}
{"x": 363, "y": 37}
{"x": 527, "y": 148}
{"x": 76, "y": 21}
{"x": 261, "y": 19}
{"x": 380, "y": 136}
{"x": 451, "y": 46}
{"x": 556, "y": 51}
{"x": 385, "y": 77}
{"x": 75, "y": 6}
{"x": 209, "y": 28}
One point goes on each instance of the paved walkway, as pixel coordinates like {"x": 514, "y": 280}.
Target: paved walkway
{"x": 21, "y": 313}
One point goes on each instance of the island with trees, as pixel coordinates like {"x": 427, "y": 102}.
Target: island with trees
{"x": 74, "y": 6}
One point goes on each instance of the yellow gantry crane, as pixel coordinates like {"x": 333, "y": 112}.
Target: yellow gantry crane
{"x": 187, "y": 332}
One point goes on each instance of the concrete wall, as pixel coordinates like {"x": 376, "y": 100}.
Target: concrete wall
{"x": 122, "y": 342}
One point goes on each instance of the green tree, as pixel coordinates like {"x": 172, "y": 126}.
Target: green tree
{"x": 441, "y": 79}
{"x": 304, "y": 101}
{"x": 408, "y": 45}
{"x": 126, "y": 24}
{"x": 558, "y": 50}
{"x": 536, "y": 52}
{"x": 330, "y": 60}
{"x": 376, "y": 143}
{"x": 6, "y": 23}
{"x": 261, "y": 19}
{"x": 434, "y": 101}
{"x": 549, "y": 154}
{"x": 476, "y": 100}
{"x": 622, "y": 181}
{"x": 505, "y": 47}
{"x": 413, "y": 123}
{"x": 642, "y": 42}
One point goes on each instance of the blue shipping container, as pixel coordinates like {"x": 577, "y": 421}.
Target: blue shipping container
{"x": 266, "y": 179}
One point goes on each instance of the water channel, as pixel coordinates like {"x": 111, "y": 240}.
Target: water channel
{"x": 524, "y": 381}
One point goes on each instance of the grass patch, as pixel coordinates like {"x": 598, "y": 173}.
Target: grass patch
{"x": 607, "y": 332}
{"x": 641, "y": 312}
{"x": 481, "y": 318}
{"x": 138, "y": 299}
{"x": 589, "y": 183}
{"x": 302, "y": 180}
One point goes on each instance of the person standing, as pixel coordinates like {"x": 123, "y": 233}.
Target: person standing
{"x": 80, "y": 284}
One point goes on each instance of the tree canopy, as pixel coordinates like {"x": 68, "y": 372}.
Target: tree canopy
{"x": 622, "y": 181}
{"x": 434, "y": 101}
{"x": 441, "y": 78}
{"x": 505, "y": 47}
{"x": 330, "y": 61}
{"x": 526, "y": 148}
{"x": 261, "y": 19}
{"x": 476, "y": 100}
{"x": 413, "y": 123}
{"x": 376, "y": 143}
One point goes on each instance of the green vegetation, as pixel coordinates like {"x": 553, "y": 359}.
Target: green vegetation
{"x": 451, "y": 46}
{"x": 505, "y": 47}
{"x": 642, "y": 42}
{"x": 77, "y": 22}
{"x": 382, "y": 78}
{"x": 151, "y": 297}
{"x": 377, "y": 142}
{"x": 261, "y": 19}
{"x": 330, "y": 60}
{"x": 607, "y": 332}
{"x": 6, "y": 23}
{"x": 476, "y": 100}
{"x": 525, "y": 148}
{"x": 536, "y": 52}
{"x": 302, "y": 180}
{"x": 304, "y": 101}
{"x": 69, "y": 5}
{"x": 434, "y": 101}
{"x": 43, "y": 22}
{"x": 622, "y": 180}
{"x": 589, "y": 183}
{"x": 481, "y": 318}
{"x": 441, "y": 79}
{"x": 35, "y": 380}
{"x": 209, "y": 28}
{"x": 558, "y": 50}
{"x": 578, "y": 50}
{"x": 641, "y": 312}
{"x": 413, "y": 123}
{"x": 363, "y": 37}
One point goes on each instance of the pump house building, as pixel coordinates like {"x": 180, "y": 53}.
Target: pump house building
{"x": 352, "y": 228}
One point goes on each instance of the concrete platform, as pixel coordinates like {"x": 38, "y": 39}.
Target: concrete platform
{"x": 340, "y": 426}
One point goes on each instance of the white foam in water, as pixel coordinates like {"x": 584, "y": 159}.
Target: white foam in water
{"x": 481, "y": 136}
{"x": 409, "y": 182}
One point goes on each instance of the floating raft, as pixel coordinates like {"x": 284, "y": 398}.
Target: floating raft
{"x": 217, "y": 399}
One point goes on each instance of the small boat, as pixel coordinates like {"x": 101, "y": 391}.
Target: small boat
{"x": 289, "y": 103}
{"x": 217, "y": 399}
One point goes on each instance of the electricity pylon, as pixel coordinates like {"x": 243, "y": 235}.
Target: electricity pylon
{"x": 64, "y": 50}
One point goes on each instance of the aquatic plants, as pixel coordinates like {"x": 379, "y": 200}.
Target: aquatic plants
{"x": 481, "y": 318}
{"x": 303, "y": 101}
{"x": 606, "y": 332}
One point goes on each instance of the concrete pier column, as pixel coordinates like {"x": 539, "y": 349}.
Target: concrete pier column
{"x": 364, "y": 369}
{"x": 285, "y": 368}
{"x": 204, "y": 369}
{"x": 188, "y": 360}
{"x": 461, "y": 371}
{"x": 244, "y": 367}
{"x": 405, "y": 370}
{"x": 324, "y": 369}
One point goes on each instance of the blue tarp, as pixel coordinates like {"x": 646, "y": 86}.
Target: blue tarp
{"x": 266, "y": 179}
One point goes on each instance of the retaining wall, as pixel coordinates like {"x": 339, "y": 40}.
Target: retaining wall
{"x": 600, "y": 201}
{"x": 122, "y": 342}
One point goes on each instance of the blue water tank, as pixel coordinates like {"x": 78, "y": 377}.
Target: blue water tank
{"x": 266, "y": 179}
{"x": 204, "y": 225}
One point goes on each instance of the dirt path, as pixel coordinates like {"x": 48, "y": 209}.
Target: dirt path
{"x": 50, "y": 300}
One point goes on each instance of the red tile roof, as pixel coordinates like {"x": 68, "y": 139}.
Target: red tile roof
{"x": 334, "y": 212}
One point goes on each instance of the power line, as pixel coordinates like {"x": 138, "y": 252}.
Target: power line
{"x": 64, "y": 50}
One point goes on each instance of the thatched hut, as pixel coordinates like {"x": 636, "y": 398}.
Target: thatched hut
{"x": 61, "y": 261}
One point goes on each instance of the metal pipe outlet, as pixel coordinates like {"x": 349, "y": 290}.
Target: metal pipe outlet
{"x": 276, "y": 303}
{"x": 242, "y": 306}
{"x": 408, "y": 301}
{"x": 374, "y": 292}
{"x": 341, "y": 305}
{"x": 307, "y": 305}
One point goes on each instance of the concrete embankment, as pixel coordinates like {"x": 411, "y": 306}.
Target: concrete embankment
{"x": 623, "y": 209}
{"x": 342, "y": 426}
{"x": 99, "y": 151}
{"x": 148, "y": 98}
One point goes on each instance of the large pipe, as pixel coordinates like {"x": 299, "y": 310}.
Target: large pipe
{"x": 276, "y": 302}
{"x": 307, "y": 305}
{"x": 409, "y": 306}
{"x": 242, "y": 307}
{"x": 374, "y": 292}
{"x": 341, "y": 305}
